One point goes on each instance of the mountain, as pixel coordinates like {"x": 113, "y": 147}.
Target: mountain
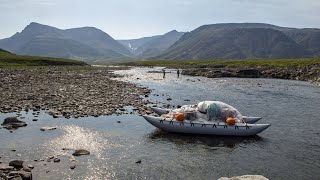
{"x": 87, "y": 43}
{"x": 308, "y": 38}
{"x": 244, "y": 41}
{"x": 134, "y": 44}
{"x": 152, "y": 46}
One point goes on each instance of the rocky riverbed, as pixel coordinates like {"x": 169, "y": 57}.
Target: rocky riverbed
{"x": 307, "y": 73}
{"x": 86, "y": 91}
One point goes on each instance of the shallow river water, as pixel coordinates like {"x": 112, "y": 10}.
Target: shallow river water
{"x": 289, "y": 149}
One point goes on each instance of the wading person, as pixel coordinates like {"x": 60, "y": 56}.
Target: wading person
{"x": 164, "y": 73}
{"x": 178, "y": 72}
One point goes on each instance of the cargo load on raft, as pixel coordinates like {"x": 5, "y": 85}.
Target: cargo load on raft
{"x": 221, "y": 117}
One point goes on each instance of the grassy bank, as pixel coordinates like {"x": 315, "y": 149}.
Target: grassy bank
{"x": 227, "y": 63}
{"x": 11, "y": 60}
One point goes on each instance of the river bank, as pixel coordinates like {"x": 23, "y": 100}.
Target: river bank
{"x": 74, "y": 92}
{"x": 306, "y": 73}
{"x": 292, "y": 69}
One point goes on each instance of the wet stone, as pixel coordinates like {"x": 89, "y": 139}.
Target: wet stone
{"x": 80, "y": 152}
{"x": 16, "y": 163}
{"x": 48, "y": 128}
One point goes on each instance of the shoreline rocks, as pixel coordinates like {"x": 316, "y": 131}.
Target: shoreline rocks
{"x": 309, "y": 73}
{"x": 68, "y": 93}
{"x": 15, "y": 170}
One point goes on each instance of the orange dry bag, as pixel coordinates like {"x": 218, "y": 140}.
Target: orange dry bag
{"x": 179, "y": 116}
{"x": 231, "y": 121}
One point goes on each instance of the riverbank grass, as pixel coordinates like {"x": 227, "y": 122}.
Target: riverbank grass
{"x": 9, "y": 60}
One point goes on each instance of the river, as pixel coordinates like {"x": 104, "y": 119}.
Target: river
{"x": 289, "y": 149}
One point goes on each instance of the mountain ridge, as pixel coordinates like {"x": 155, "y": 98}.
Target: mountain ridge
{"x": 210, "y": 41}
{"x": 243, "y": 41}
{"x": 84, "y": 43}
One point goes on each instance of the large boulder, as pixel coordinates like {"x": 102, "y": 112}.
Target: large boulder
{"x": 13, "y": 123}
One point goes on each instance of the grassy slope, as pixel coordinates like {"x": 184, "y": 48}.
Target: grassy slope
{"x": 12, "y": 60}
{"x": 228, "y": 63}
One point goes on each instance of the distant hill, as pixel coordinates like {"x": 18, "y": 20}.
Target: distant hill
{"x": 245, "y": 41}
{"x": 87, "y": 43}
{"x": 4, "y": 51}
{"x": 152, "y": 46}
{"x": 9, "y": 59}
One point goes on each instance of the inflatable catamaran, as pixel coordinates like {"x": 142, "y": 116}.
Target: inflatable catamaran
{"x": 188, "y": 120}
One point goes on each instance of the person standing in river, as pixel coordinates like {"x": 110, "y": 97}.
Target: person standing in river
{"x": 164, "y": 73}
{"x": 178, "y": 72}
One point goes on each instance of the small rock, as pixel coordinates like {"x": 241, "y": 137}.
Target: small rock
{"x": 118, "y": 121}
{"x": 80, "y": 152}
{"x": 30, "y": 166}
{"x": 187, "y": 100}
{"x": 138, "y": 162}
{"x": 6, "y": 167}
{"x": 73, "y": 166}
{"x": 56, "y": 160}
{"x": 16, "y": 163}
{"x": 169, "y": 99}
{"x": 47, "y": 128}
{"x": 34, "y": 119}
{"x": 50, "y": 157}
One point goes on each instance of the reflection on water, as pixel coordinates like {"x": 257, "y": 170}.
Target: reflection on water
{"x": 76, "y": 137}
{"x": 210, "y": 141}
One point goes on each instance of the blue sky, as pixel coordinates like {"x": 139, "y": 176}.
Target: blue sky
{"x": 127, "y": 19}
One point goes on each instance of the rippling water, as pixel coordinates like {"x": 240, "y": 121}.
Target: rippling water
{"x": 289, "y": 149}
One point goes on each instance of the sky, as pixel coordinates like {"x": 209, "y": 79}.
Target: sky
{"x": 130, "y": 19}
